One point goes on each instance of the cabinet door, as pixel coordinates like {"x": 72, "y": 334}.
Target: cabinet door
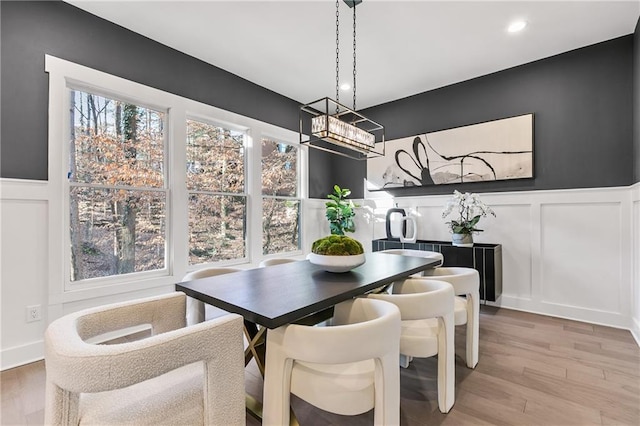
{"x": 457, "y": 256}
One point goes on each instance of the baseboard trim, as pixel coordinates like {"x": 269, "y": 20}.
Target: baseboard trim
{"x": 608, "y": 319}
{"x": 635, "y": 330}
{"x": 21, "y": 355}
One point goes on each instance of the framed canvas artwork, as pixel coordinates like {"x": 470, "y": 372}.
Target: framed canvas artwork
{"x": 494, "y": 150}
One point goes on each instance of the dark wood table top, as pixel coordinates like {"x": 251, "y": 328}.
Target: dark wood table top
{"x": 281, "y": 294}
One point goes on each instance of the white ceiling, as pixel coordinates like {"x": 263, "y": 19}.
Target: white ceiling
{"x": 403, "y": 47}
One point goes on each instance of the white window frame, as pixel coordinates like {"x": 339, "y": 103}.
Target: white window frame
{"x": 63, "y": 73}
{"x": 245, "y": 193}
{"x": 298, "y": 197}
{"x": 67, "y": 185}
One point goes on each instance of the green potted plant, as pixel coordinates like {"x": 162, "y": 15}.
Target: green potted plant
{"x": 340, "y": 211}
{"x": 337, "y": 253}
{"x": 469, "y": 211}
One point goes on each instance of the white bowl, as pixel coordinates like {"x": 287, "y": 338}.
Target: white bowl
{"x": 337, "y": 263}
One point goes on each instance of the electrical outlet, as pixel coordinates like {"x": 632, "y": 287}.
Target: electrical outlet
{"x": 34, "y": 313}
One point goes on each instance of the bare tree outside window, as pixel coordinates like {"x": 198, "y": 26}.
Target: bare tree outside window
{"x": 280, "y": 202}
{"x": 217, "y": 199}
{"x": 117, "y": 195}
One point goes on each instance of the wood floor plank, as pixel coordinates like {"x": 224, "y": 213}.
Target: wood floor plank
{"x": 550, "y": 412}
{"x": 547, "y": 357}
{"x": 599, "y": 361}
{"x": 579, "y": 393}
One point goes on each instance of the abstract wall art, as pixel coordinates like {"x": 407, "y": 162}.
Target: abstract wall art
{"x": 494, "y": 150}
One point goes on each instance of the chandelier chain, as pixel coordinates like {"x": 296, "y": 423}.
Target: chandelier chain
{"x": 337, "y": 54}
{"x": 354, "y": 57}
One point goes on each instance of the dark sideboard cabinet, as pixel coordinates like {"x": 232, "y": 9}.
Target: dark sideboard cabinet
{"x": 485, "y": 258}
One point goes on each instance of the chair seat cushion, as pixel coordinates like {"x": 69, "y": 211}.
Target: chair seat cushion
{"x": 175, "y": 398}
{"x": 419, "y": 338}
{"x": 331, "y": 387}
{"x": 460, "y": 310}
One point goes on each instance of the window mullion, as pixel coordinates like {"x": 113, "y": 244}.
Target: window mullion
{"x": 179, "y": 218}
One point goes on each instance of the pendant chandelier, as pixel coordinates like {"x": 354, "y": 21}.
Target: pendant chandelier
{"x": 336, "y": 128}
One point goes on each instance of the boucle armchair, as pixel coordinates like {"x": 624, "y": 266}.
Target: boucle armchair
{"x": 178, "y": 375}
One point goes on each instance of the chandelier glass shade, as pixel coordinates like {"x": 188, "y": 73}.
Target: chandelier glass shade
{"x": 346, "y": 132}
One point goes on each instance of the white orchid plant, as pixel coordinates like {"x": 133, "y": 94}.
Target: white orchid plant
{"x": 469, "y": 209}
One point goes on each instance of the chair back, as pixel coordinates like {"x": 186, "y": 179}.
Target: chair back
{"x": 197, "y": 312}
{"x": 419, "y": 298}
{"x": 275, "y": 261}
{"x": 208, "y": 272}
{"x": 416, "y": 253}
{"x": 361, "y": 329}
{"x": 463, "y": 280}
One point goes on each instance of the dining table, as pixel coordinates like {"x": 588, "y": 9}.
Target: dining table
{"x": 296, "y": 292}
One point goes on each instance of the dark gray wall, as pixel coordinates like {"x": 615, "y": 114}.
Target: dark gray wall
{"x": 582, "y": 101}
{"x": 29, "y": 30}
{"x": 583, "y": 121}
{"x": 327, "y": 170}
{"x": 636, "y": 103}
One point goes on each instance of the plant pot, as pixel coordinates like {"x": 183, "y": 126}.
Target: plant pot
{"x": 462, "y": 240}
{"x": 337, "y": 264}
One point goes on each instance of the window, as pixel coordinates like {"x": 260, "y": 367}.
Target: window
{"x": 146, "y": 186}
{"x": 280, "y": 202}
{"x": 117, "y": 190}
{"x": 217, "y": 199}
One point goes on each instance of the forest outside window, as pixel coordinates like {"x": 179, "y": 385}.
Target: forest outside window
{"x": 217, "y": 196}
{"x": 117, "y": 187}
{"x": 280, "y": 197}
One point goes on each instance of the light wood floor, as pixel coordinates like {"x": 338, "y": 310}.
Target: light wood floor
{"x": 533, "y": 370}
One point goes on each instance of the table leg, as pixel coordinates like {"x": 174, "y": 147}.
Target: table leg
{"x": 256, "y": 347}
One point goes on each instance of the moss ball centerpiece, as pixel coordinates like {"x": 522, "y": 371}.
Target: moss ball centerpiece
{"x": 337, "y": 253}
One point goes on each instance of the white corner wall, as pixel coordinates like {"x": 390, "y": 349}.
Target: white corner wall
{"x": 635, "y": 199}
{"x": 568, "y": 253}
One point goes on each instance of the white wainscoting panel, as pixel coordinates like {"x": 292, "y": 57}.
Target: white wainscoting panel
{"x": 24, "y": 257}
{"x": 580, "y": 255}
{"x": 565, "y": 253}
{"x": 516, "y": 246}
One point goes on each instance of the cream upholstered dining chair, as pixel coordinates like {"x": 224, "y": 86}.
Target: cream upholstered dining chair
{"x": 197, "y": 311}
{"x": 178, "y": 375}
{"x": 465, "y": 282}
{"x": 426, "y": 309}
{"x": 417, "y": 253}
{"x": 276, "y": 261}
{"x": 347, "y": 368}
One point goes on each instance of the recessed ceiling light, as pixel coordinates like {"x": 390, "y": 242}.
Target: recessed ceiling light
{"x": 516, "y": 26}
{"x": 345, "y": 86}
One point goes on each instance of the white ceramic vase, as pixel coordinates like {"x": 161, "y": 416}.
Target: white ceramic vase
{"x": 462, "y": 240}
